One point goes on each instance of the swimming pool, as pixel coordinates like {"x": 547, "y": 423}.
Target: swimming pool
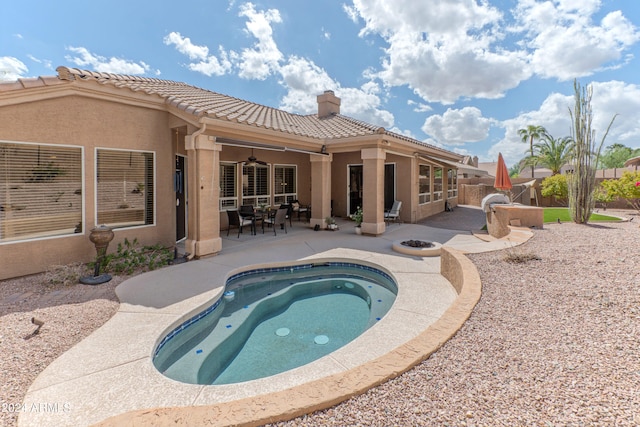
{"x": 271, "y": 320}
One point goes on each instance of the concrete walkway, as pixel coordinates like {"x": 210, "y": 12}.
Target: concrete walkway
{"x": 111, "y": 371}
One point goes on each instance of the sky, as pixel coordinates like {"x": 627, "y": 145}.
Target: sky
{"x": 463, "y": 75}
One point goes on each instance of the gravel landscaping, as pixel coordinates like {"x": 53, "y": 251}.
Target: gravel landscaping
{"x": 553, "y": 341}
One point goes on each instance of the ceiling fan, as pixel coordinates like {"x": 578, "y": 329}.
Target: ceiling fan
{"x": 252, "y": 160}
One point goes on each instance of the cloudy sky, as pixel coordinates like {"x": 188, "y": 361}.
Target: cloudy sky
{"x": 461, "y": 74}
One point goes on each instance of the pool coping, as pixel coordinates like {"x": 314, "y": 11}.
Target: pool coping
{"x": 60, "y": 378}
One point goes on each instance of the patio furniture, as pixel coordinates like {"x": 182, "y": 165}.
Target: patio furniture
{"x": 279, "y": 218}
{"x": 394, "y": 213}
{"x": 289, "y": 209}
{"x": 249, "y": 212}
{"x": 301, "y": 209}
{"x": 235, "y": 220}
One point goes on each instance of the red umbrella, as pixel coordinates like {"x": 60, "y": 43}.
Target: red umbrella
{"x": 503, "y": 181}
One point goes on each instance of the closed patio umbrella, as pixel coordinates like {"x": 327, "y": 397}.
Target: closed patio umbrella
{"x": 503, "y": 181}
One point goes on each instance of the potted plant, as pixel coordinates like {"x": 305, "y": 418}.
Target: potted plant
{"x": 357, "y": 217}
{"x": 331, "y": 223}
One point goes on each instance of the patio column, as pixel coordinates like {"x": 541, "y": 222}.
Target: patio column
{"x": 204, "y": 193}
{"x": 373, "y": 195}
{"x": 320, "y": 189}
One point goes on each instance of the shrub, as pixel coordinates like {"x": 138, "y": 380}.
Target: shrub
{"x": 626, "y": 187}
{"x": 130, "y": 257}
{"x": 555, "y": 186}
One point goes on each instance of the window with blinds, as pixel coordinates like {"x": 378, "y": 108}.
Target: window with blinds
{"x": 228, "y": 192}
{"x": 284, "y": 187}
{"x": 452, "y": 183}
{"x": 255, "y": 185}
{"x": 424, "y": 182}
{"x": 125, "y": 187}
{"x": 40, "y": 190}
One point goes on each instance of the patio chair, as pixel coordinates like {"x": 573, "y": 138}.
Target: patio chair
{"x": 235, "y": 220}
{"x": 394, "y": 213}
{"x": 280, "y": 218}
{"x": 300, "y": 209}
{"x": 289, "y": 209}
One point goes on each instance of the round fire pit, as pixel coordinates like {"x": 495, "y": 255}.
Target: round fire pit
{"x": 417, "y": 247}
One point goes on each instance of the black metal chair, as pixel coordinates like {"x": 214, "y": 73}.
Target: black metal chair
{"x": 247, "y": 212}
{"x": 236, "y": 221}
{"x": 301, "y": 209}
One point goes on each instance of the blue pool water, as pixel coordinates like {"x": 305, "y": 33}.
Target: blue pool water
{"x": 273, "y": 320}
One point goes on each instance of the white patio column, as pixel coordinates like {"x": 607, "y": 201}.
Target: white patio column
{"x": 320, "y": 189}
{"x": 204, "y": 194}
{"x": 373, "y": 194}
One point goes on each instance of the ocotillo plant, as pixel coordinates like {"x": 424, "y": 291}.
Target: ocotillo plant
{"x": 582, "y": 182}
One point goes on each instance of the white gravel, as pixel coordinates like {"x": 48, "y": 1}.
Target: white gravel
{"x": 552, "y": 342}
{"x": 69, "y": 313}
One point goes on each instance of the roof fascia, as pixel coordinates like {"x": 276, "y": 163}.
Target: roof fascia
{"x": 104, "y": 93}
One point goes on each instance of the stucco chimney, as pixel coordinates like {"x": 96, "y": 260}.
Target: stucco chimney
{"x": 475, "y": 161}
{"x": 328, "y": 104}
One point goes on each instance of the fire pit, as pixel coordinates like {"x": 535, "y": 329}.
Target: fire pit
{"x": 417, "y": 244}
{"x": 417, "y": 247}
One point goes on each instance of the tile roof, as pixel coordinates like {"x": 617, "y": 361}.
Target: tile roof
{"x": 204, "y": 103}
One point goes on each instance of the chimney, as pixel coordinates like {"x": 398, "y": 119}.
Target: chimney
{"x": 475, "y": 161}
{"x": 328, "y": 104}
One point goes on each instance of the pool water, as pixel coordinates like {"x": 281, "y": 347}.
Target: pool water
{"x": 269, "y": 322}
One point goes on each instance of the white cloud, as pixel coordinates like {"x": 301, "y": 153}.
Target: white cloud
{"x": 45, "y": 62}
{"x": 566, "y": 43}
{"x": 443, "y": 50}
{"x": 419, "y": 107}
{"x": 206, "y": 64}
{"x": 457, "y": 127}
{"x": 456, "y": 49}
{"x": 186, "y": 47}
{"x": 84, "y": 58}
{"x": 11, "y": 68}
{"x": 351, "y": 12}
{"x": 261, "y": 60}
{"x": 303, "y": 78}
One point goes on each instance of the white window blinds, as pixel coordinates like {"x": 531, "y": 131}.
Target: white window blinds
{"x": 40, "y": 190}
{"x": 125, "y": 187}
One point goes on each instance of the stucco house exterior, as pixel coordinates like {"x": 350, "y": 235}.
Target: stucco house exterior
{"x": 162, "y": 161}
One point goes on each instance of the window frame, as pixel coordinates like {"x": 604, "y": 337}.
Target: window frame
{"x": 233, "y": 199}
{"x": 424, "y": 197}
{"x": 285, "y": 196}
{"x": 438, "y": 194}
{"x": 128, "y": 224}
{"x": 256, "y": 199}
{"x": 79, "y": 169}
{"x": 452, "y": 183}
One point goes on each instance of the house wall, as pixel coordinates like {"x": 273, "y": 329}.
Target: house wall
{"x": 90, "y": 123}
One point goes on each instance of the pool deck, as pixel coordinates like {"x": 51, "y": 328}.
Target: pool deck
{"x": 109, "y": 377}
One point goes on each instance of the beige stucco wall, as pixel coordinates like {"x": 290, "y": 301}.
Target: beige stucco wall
{"x": 90, "y": 123}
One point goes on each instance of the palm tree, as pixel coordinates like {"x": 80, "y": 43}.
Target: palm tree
{"x": 554, "y": 153}
{"x": 530, "y": 133}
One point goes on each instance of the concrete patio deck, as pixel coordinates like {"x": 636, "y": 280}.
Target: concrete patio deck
{"x": 111, "y": 373}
